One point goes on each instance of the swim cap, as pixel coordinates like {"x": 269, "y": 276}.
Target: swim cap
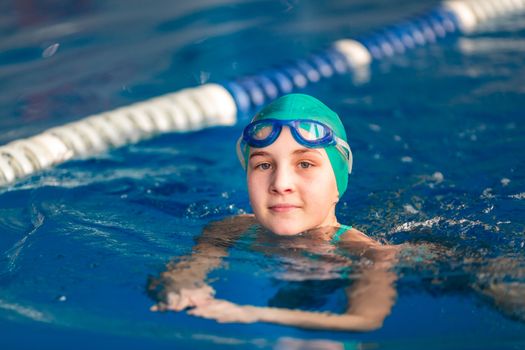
{"x": 301, "y": 106}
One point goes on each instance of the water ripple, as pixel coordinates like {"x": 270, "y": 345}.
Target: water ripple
{"x": 12, "y": 254}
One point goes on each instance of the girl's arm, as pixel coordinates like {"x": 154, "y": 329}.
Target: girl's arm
{"x": 224, "y": 311}
{"x": 370, "y": 299}
{"x": 372, "y": 296}
{"x": 183, "y": 283}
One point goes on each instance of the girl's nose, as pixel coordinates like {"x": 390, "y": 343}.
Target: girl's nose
{"x": 282, "y": 181}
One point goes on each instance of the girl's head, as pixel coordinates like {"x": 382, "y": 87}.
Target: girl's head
{"x": 297, "y": 162}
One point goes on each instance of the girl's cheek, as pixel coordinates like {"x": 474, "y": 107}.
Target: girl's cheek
{"x": 309, "y": 174}
{"x": 256, "y": 180}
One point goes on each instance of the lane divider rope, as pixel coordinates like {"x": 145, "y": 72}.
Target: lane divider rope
{"x": 221, "y": 104}
{"x": 187, "y": 110}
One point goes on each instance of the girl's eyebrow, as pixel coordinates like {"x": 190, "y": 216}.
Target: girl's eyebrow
{"x": 307, "y": 150}
{"x": 258, "y": 153}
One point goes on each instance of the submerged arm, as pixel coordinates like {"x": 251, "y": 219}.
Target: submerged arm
{"x": 370, "y": 298}
{"x": 183, "y": 283}
{"x": 211, "y": 247}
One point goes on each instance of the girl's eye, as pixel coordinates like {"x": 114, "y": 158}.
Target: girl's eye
{"x": 264, "y": 166}
{"x": 305, "y": 165}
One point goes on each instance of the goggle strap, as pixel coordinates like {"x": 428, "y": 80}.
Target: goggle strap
{"x": 345, "y": 149}
{"x": 343, "y": 143}
{"x": 240, "y": 155}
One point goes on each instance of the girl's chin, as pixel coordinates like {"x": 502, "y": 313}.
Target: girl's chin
{"x": 289, "y": 226}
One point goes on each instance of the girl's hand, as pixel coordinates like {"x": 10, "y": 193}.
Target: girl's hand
{"x": 184, "y": 298}
{"x": 225, "y": 312}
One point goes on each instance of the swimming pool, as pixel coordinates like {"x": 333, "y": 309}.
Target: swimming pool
{"x": 437, "y": 140}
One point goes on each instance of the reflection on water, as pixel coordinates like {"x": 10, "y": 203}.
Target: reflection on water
{"x": 317, "y": 344}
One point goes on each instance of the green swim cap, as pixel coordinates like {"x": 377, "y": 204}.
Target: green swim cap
{"x": 301, "y": 106}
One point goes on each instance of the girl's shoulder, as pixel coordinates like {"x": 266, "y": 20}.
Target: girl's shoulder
{"x": 232, "y": 225}
{"x": 349, "y": 234}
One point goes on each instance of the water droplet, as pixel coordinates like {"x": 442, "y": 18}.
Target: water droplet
{"x": 50, "y": 50}
{"x": 204, "y": 77}
{"x": 374, "y": 127}
{"x": 438, "y": 176}
{"x": 410, "y": 209}
{"x": 487, "y": 193}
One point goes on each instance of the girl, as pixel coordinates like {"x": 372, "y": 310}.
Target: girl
{"x": 297, "y": 161}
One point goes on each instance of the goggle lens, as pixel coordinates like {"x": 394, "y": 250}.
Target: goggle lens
{"x": 311, "y": 131}
{"x": 261, "y": 131}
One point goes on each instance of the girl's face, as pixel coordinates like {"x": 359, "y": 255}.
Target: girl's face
{"x": 292, "y": 188}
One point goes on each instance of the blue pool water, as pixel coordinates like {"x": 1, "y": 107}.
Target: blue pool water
{"x": 437, "y": 136}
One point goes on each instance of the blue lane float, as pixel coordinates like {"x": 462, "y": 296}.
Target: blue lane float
{"x": 221, "y": 104}
{"x": 252, "y": 92}
{"x": 343, "y": 56}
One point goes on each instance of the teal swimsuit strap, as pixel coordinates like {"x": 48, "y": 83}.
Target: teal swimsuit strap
{"x": 337, "y": 236}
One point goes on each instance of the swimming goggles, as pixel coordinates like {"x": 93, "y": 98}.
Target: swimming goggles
{"x": 307, "y": 132}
